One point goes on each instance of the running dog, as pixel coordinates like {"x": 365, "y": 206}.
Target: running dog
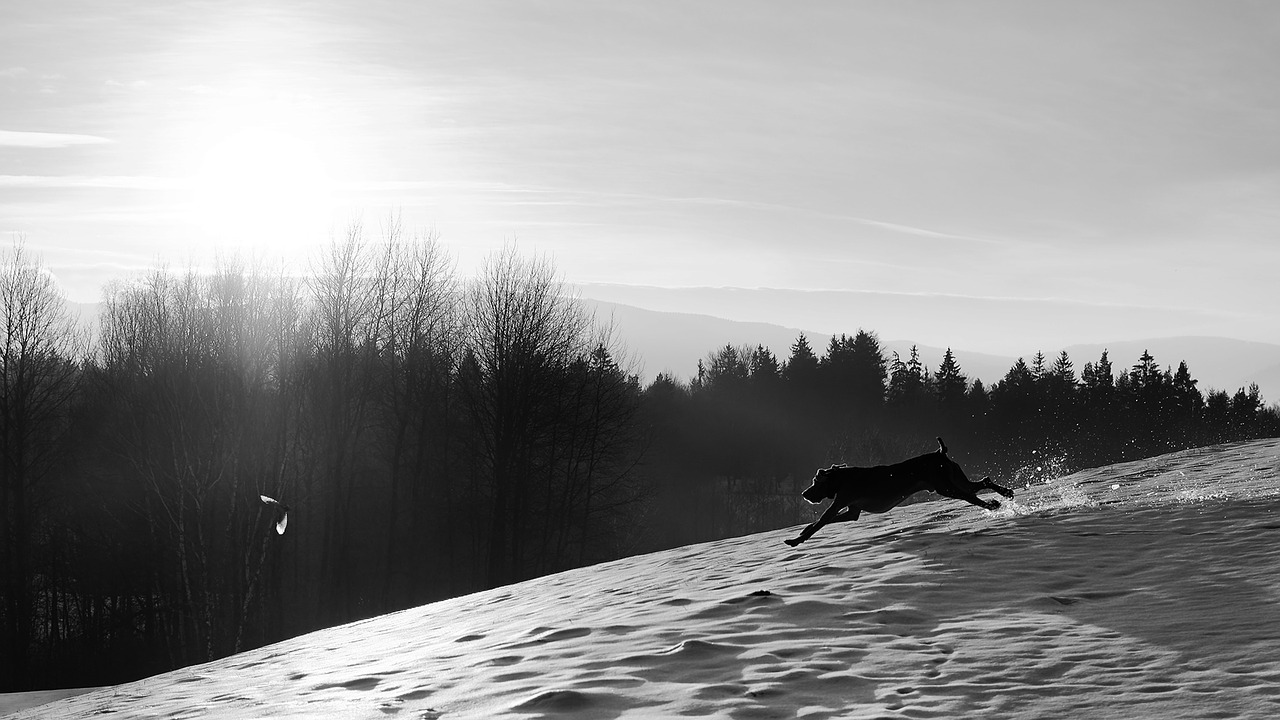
{"x": 854, "y": 490}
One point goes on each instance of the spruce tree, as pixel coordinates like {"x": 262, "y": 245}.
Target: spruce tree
{"x": 949, "y": 383}
{"x": 764, "y": 365}
{"x": 907, "y": 381}
{"x": 1019, "y": 377}
{"x": 802, "y": 366}
{"x": 1063, "y": 371}
{"x": 1146, "y": 372}
{"x": 1038, "y": 368}
{"x": 868, "y": 370}
{"x": 1190, "y": 400}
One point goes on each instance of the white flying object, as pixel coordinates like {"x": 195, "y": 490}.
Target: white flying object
{"x": 282, "y": 513}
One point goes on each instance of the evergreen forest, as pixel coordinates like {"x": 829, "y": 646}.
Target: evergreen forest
{"x": 433, "y": 437}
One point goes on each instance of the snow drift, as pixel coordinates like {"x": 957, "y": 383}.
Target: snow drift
{"x": 1147, "y": 589}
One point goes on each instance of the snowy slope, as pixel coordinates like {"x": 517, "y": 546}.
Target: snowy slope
{"x": 1149, "y": 589}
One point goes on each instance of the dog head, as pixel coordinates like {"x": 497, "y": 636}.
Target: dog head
{"x": 823, "y": 486}
{"x": 951, "y": 469}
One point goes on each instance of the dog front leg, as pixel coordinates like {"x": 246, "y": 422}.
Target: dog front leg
{"x": 986, "y": 483}
{"x": 832, "y": 514}
{"x": 806, "y": 533}
{"x": 969, "y": 497}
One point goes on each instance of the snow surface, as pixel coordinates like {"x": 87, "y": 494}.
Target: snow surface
{"x": 1147, "y": 589}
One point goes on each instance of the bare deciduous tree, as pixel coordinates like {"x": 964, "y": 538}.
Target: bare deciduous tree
{"x": 38, "y": 371}
{"x": 419, "y": 347}
{"x": 543, "y": 406}
{"x": 348, "y": 311}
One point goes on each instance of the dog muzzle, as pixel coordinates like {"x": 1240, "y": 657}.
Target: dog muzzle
{"x": 813, "y": 495}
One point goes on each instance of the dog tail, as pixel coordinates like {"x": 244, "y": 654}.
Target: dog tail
{"x": 942, "y": 447}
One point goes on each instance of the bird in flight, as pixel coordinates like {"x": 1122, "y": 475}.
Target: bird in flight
{"x": 282, "y": 513}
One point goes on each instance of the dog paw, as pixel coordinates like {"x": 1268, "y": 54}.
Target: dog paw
{"x": 792, "y": 542}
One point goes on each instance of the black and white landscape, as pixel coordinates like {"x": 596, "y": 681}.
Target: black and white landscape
{"x": 434, "y": 359}
{"x": 1144, "y": 589}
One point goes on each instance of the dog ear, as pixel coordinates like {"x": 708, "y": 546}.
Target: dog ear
{"x": 942, "y": 447}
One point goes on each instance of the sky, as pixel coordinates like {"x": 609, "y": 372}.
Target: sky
{"x": 1116, "y": 161}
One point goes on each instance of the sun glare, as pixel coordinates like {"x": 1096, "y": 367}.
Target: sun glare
{"x": 263, "y": 190}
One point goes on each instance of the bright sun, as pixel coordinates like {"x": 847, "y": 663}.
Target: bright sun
{"x": 263, "y": 190}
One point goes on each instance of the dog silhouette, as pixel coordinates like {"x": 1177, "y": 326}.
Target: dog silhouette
{"x": 854, "y": 490}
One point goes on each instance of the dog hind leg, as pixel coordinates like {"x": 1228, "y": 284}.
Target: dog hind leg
{"x": 986, "y": 483}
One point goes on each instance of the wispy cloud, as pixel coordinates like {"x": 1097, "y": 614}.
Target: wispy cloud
{"x": 921, "y": 232}
{"x": 127, "y": 85}
{"x": 15, "y": 138}
{"x": 554, "y": 196}
{"x": 778, "y": 207}
{"x": 1011, "y": 299}
{"x": 438, "y": 185}
{"x": 124, "y": 182}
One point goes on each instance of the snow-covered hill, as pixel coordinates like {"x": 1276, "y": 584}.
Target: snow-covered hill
{"x": 1148, "y": 589}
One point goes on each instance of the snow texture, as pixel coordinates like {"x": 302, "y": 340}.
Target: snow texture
{"x": 1147, "y": 589}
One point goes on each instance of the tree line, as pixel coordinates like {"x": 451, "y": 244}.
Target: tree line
{"x": 435, "y": 437}
{"x": 431, "y": 438}
{"x": 748, "y": 430}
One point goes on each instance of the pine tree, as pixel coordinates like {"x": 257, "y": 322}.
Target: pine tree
{"x": 868, "y": 368}
{"x": 699, "y": 381}
{"x": 835, "y": 369}
{"x": 1096, "y": 377}
{"x": 907, "y": 381}
{"x": 1184, "y": 386}
{"x": 978, "y": 397}
{"x": 1063, "y": 371}
{"x": 918, "y": 371}
{"x": 1015, "y": 415}
{"x": 897, "y": 378}
{"x": 802, "y": 366}
{"x": 765, "y": 378}
{"x": 1019, "y": 376}
{"x": 1038, "y": 368}
{"x": 1188, "y": 406}
{"x": 1146, "y": 373}
{"x": 764, "y": 365}
{"x": 949, "y": 383}
{"x": 728, "y": 368}
{"x": 1243, "y": 412}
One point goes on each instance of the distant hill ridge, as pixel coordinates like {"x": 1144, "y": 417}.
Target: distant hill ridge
{"x": 674, "y": 342}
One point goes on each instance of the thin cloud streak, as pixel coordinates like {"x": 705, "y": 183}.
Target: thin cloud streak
{"x": 125, "y": 182}
{"x": 591, "y": 198}
{"x": 775, "y": 207}
{"x": 1077, "y": 302}
{"x": 883, "y": 225}
{"x": 16, "y": 138}
{"x": 1061, "y": 301}
{"x": 375, "y": 186}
